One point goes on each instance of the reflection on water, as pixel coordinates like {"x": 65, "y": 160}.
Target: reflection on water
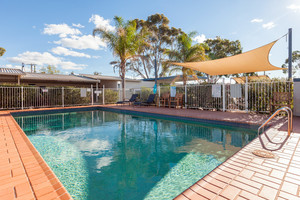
{"x": 130, "y": 157}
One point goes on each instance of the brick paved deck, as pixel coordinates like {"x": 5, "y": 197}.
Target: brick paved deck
{"x": 23, "y": 172}
{"x": 25, "y": 175}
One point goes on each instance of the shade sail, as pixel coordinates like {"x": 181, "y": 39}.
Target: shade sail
{"x": 252, "y": 61}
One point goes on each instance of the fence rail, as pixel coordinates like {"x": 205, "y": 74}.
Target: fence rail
{"x": 253, "y": 96}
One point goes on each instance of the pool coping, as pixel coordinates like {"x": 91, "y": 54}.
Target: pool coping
{"x": 207, "y": 187}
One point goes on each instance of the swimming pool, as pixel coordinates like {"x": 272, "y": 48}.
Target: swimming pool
{"x": 108, "y": 155}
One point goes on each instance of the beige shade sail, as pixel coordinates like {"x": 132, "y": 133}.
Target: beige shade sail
{"x": 252, "y": 61}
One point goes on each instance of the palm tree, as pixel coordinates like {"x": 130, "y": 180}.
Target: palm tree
{"x": 124, "y": 43}
{"x": 185, "y": 51}
{"x": 2, "y": 51}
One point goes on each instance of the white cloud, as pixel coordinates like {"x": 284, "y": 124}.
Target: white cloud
{"x": 60, "y": 29}
{"x": 103, "y": 162}
{"x": 294, "y": 7}
{"x": 269, "y": 25}
{"x": 67, "y": 52}
{"x": 13, "y": 66}
{"x": 200, "y": 38}
{"x": 100, "y": 22}
{"x": 256, "y": 20}
{"x": 78, "y": 25}
{"x": 45, "y": 59}
{"x": 82, "y": 42}
{"x": 93, "y": 147}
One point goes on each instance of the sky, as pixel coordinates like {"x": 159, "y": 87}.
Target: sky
{"x": 59, "y": 32}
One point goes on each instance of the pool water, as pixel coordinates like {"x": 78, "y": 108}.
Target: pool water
{"x": 107, "y": 155}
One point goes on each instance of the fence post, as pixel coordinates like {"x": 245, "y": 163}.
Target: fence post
{"x": 158, "y": 96}
{"x": 62, "y": 96}
{"x": 22, "y": 97}
{"x": 103, "y": 95}
{"x": 185, "y": 96}
{"x": 224, "y": 100}
{"x": 246, "y": 94}
{"x": 92, "y": 94}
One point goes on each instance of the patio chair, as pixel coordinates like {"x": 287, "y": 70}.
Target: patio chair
{"x": 130, "y": 101}
{"x": 165, "y": 100}
{"x": 177, "y": 100}
{"x": 150, "y": 101}
{"x": 280, "y": 99}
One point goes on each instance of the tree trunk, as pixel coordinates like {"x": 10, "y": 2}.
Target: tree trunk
{"x": 123, "y": 79}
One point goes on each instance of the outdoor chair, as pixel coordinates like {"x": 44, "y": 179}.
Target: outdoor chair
{"x": 280, "y": 99}
{"x": 150, "y": 101}
{"x": 165, "y": 99}
{"x": 130, "y": 101}
{"x": 176, "y": 101}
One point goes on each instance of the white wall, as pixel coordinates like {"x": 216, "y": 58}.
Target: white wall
{"x": 297, "y": 98}
{"x": 135, "y": 84}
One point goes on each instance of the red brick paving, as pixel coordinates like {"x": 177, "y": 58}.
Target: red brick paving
{"x": 23, "y": 172}
{"x": 25, "y": 175}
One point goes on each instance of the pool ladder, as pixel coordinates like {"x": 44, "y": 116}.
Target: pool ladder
{"x": 290, "y": 128}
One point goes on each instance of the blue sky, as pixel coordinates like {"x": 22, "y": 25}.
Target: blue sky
{"x": 59, "y": 32}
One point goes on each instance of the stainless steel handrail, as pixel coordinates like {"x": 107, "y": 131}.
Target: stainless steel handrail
{"x": 290, "y": 128}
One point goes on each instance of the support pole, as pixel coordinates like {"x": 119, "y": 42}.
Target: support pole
{"x": 185, "y": 96}
{"x": 97, "y": 86}
{"x": 92, "y": 94}
{"x": 158, "y": 95}
{"x": 155, "y": 68}
{"x": 290, "y": 54}
{"x": 103, "y": 95}
{"x": 246, "y": 94}
{"x": 22, "y": 97}
{"x": 62, "y": 97}
{"x": 224, "y": 100}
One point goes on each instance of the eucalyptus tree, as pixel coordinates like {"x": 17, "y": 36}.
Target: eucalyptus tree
{"x": 185, "y": 51}
{"x": 221, "y": 48}
{"x": 124, "y": 42}
{"x": 50, "y": 69}
{"x": 2, "y": 51}
{"x": 159, "y": 37}
{"x": 295, "y": 62}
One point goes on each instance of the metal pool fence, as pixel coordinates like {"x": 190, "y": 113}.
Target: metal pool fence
{"x": 252, "y": 96}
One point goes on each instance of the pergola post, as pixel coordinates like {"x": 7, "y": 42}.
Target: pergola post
{"x": 290, "y": 55}
{"x": 19, "y": 80}
{"x": 103, "y": 95}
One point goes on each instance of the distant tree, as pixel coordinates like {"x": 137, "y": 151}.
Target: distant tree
{"x": 72, "y": 73}
{"x": 2, "y": 51}
{"x": 124, "y": 42}
{"x": 158, "y": 37}
{"x": 50, "y": 69}
{"x": 221, "y": 48}
{"x": 185, "y": 51}
{"x": 97, "y": 73}
{"x": 295, "y": 62}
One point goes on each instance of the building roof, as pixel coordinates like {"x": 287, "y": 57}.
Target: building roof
{"x": 108, "y": 78}
{"x": 57, "y": 78}
{"x": 10, "y": 71}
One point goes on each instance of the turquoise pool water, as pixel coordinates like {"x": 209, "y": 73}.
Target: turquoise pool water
{"x": 106, "y": 155}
